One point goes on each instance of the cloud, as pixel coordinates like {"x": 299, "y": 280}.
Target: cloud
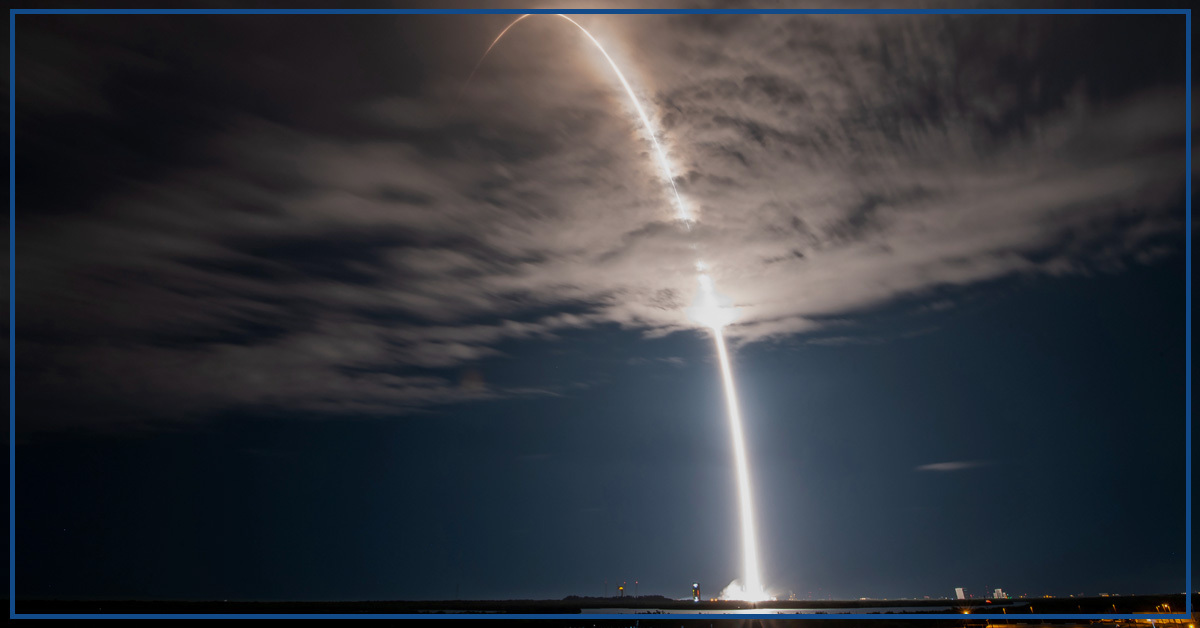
{"x": 936, "y": 306}
{"x": 841, "y": 341}
{"x": 836, "y": 341}
{"x": 959, "y": 465}
{"x": 671, "y": 361}
{"x": 335, "y": 250}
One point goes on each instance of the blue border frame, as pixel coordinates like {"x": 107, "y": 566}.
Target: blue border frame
{"x": 12, "y": 300}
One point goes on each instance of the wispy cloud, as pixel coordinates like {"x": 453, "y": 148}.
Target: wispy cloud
{"x": 958, "y": 465}
{"x": 838, "y": 341}
{"x": 671, "y": 361}
{"x": 337, "y": 266}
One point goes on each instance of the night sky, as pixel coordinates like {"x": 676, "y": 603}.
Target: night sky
{"x": 301, "y": 315}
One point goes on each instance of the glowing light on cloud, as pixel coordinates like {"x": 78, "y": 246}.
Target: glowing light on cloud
{"x": 710, "y": 311}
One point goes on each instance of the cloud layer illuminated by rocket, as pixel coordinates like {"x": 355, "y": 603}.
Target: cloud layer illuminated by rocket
{"x": 341, "y": 258}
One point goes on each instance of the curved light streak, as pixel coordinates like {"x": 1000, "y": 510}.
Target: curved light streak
{"x": 682, "y": 212}
{"x": 710, "y": 314}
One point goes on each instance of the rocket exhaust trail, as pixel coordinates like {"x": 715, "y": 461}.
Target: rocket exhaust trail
{"x": 493, "y": 45}
{"x": 710, "y": 314}
{"x": 681, "y": 210}
{"x": 752, "y": 587}
{"x": 713, "y": 318}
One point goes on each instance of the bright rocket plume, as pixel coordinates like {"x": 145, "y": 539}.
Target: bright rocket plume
{"x": 708, "y": 312}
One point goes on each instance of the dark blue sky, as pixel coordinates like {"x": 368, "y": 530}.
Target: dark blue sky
{"x": 303, "y": 316}
{"x": 1068, "y": 391}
